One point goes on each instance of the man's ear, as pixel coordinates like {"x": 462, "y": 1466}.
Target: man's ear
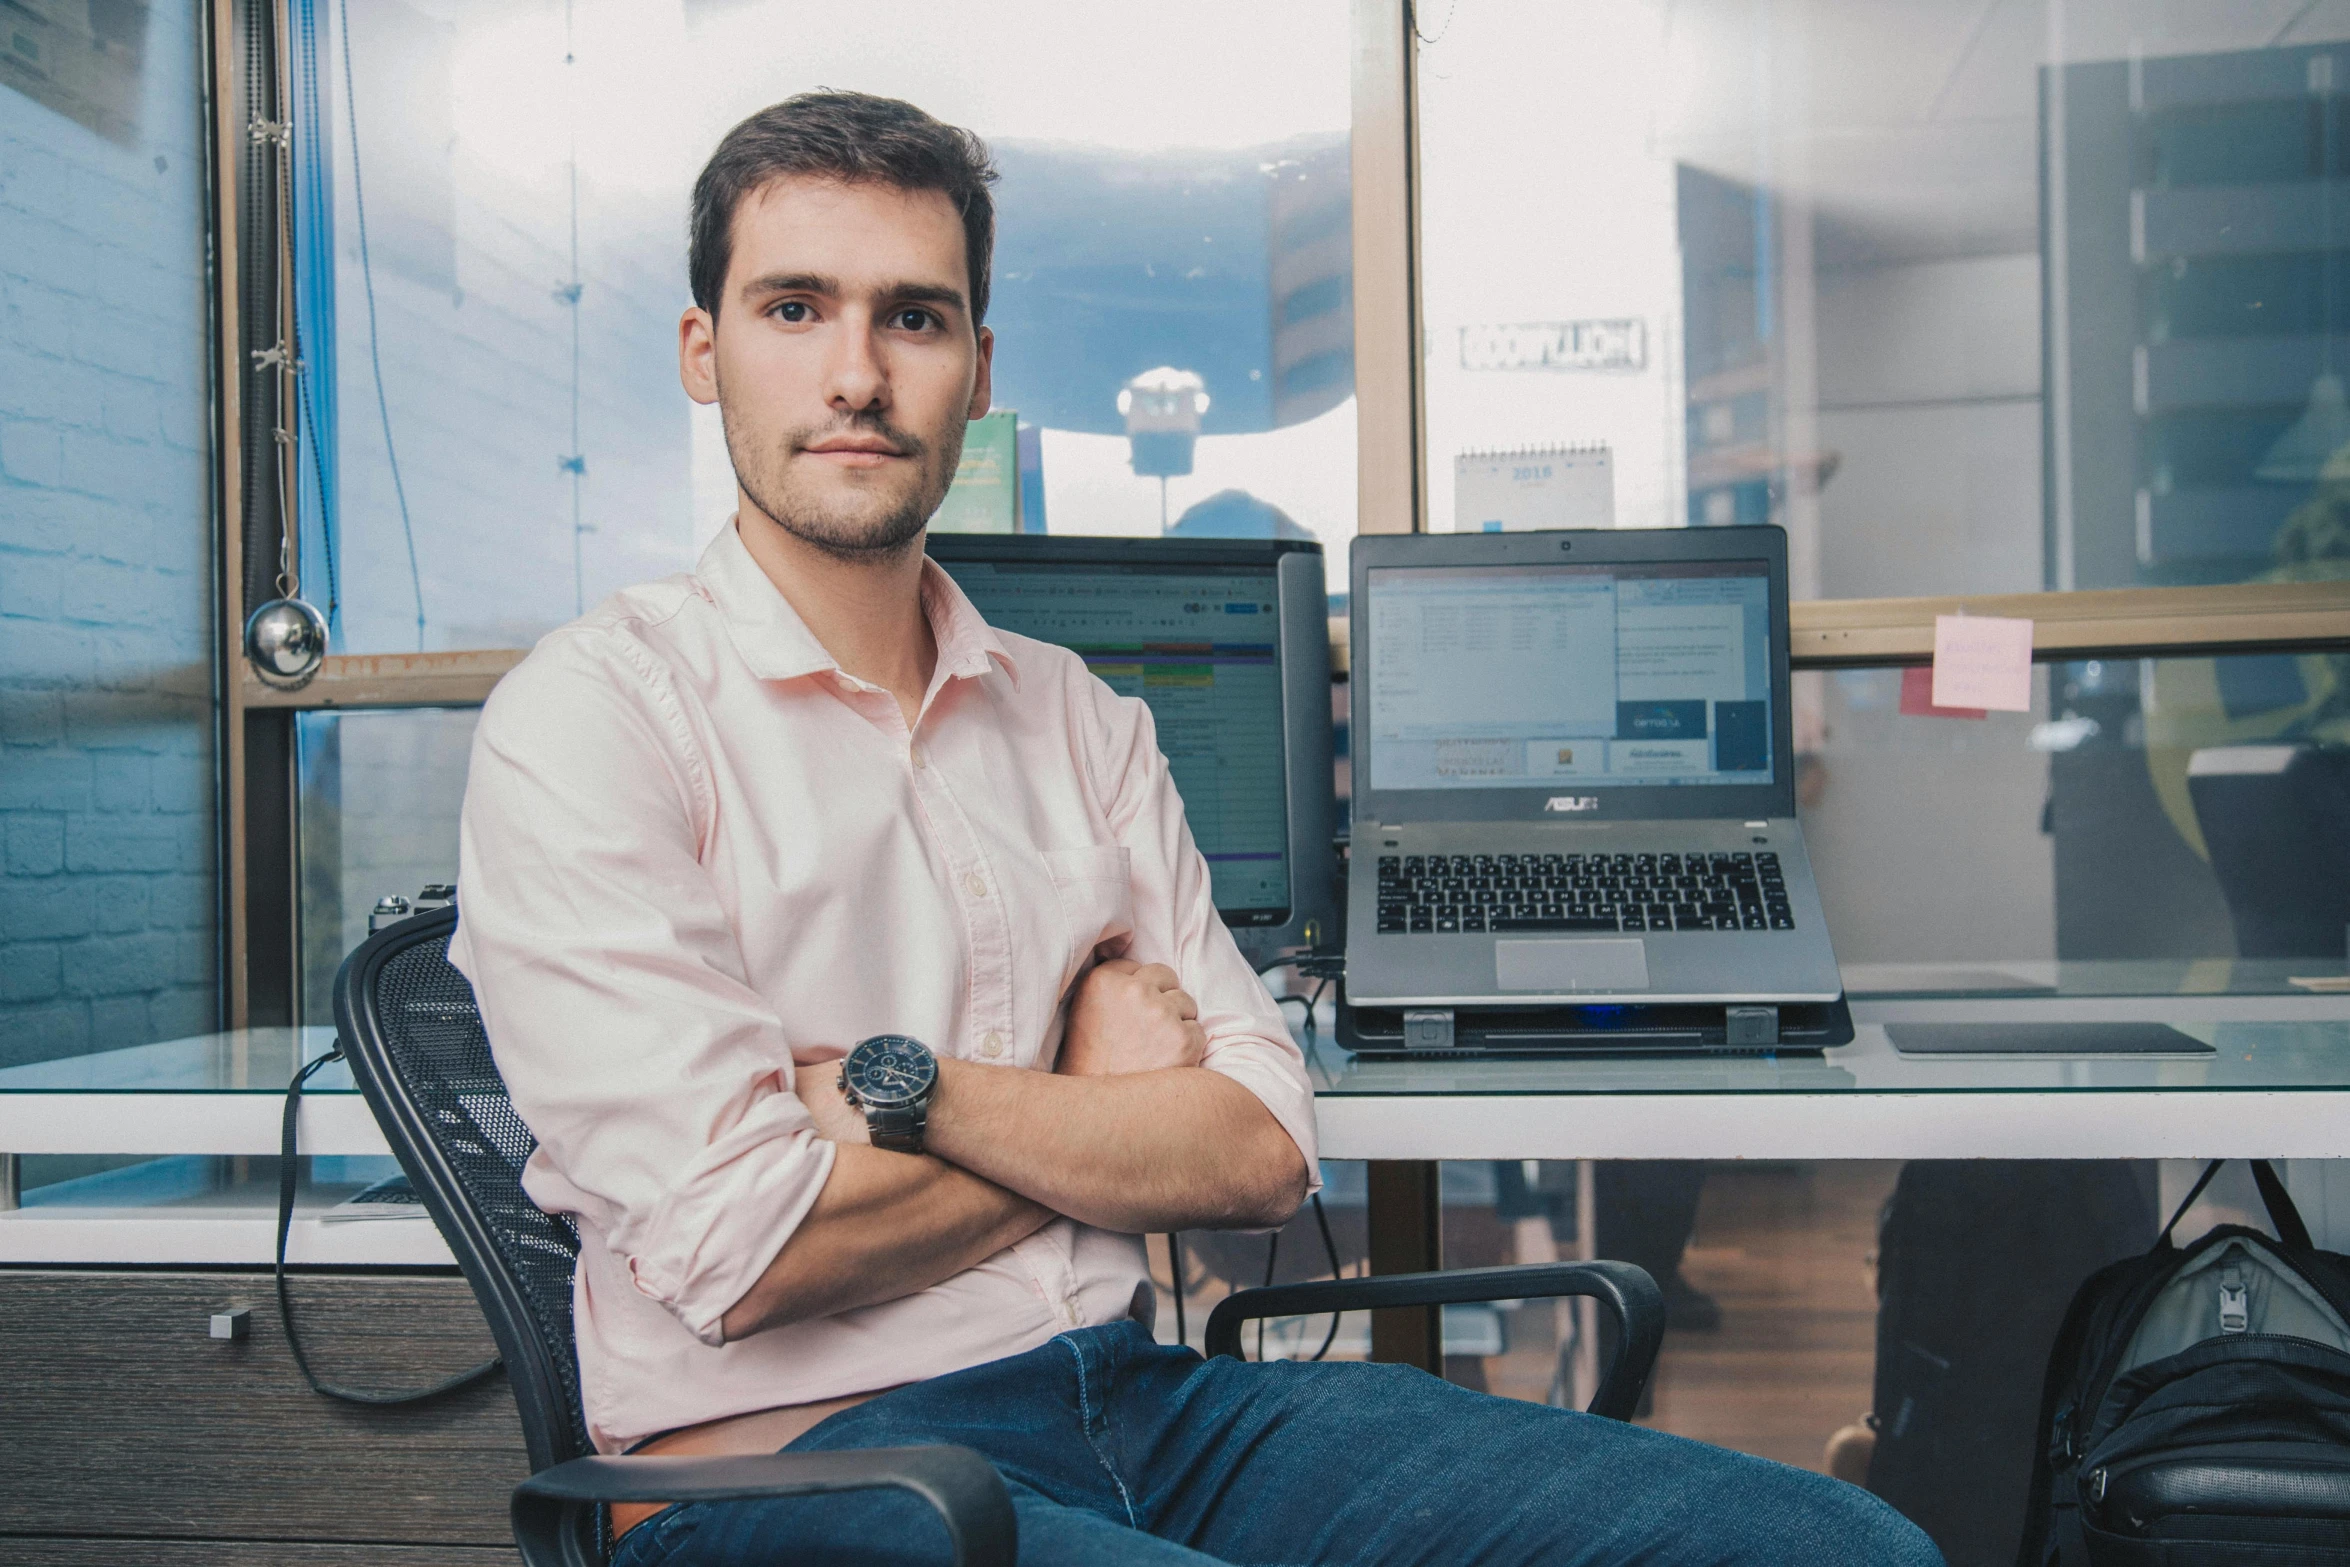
{"x": 697, "y": 354}
{"x": 983, "y": 383}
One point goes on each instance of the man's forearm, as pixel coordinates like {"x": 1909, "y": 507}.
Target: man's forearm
{"x": 885, "y": 1225}
{"x": 1184, "y": 1148}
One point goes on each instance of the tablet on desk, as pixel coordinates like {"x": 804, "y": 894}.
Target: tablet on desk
{"x": 2043, "y": 1039}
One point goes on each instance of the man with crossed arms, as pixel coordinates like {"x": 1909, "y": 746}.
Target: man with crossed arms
{"x": 804, "y": 803}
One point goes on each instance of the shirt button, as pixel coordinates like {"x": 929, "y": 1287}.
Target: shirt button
{"x": 991, "y": 1044}
{"x": 920, "y": 761}
{"x": 976, "y": 884}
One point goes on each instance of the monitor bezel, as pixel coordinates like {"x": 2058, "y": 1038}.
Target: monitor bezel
{"x": 1582, "y": 800}
{"x": 1302, "y": 655}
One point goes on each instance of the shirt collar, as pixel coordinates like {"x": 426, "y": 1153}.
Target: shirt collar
{"x": 777, "y": 644}
{"x": 967, "y": 644}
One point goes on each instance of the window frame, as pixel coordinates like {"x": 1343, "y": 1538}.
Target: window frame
{"x": 259, "y": 795}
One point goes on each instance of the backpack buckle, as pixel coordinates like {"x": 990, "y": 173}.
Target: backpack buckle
{"x": 2235, "y": 1303}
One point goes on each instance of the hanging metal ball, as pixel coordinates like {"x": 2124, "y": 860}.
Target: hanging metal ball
{"x": 285, "y": 641}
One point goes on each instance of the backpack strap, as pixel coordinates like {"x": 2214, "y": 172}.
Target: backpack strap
{"x": 2273, "y": 1196}
{"x": 2162, "y": 1242}
{"x": 2279, "y": 1203}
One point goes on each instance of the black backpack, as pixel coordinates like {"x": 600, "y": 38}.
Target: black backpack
{"x": 2197, "y": 1406}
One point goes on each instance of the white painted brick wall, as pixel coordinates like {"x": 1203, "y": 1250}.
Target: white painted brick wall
{"x": 107, "y": 876}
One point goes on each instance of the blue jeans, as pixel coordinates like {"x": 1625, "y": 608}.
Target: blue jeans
{"x": 1122, "y": 1452}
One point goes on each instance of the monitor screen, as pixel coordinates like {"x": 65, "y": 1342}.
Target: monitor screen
{"x": 1199, "y": 645}
{"x": 1600, "y": 675}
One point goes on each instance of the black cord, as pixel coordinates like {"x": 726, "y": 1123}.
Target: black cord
{"x": 326, "y": 503}
{"x": 1313, "y": 1034}
{"x": 285, "y": 1303}
{"x": 1175, "y": 1272}
{"x": 1272, "y": 1251}
{"x": 1330, "y": 1250}
{"x": 383, "y": 406}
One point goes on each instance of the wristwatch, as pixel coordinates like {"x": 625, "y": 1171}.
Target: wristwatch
{"x": 891, "y": 1077}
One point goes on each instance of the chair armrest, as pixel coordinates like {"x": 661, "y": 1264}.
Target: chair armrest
{"x": 1626, "y": 1290}
{"x": 965, "y": 1490}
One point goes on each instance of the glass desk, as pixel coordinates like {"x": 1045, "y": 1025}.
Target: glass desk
{"x": 2277, "y": 1085}
{"x": 207, "y": 1094}
{"x": 196, "y": 1107}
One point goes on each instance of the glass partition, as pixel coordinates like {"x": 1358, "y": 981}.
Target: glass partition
{"x": 2150, "y": 826}
{"x": 493, "y": 254}
{"x": 2148, "y": 817}
{"x": 380, "y": 798}
{"x": 109, "y": 928}
{"x": 1971, "y": 299}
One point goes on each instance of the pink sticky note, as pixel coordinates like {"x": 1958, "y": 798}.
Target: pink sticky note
{"x": 1983, "y": 661}
{"x": 1917, "y": 697}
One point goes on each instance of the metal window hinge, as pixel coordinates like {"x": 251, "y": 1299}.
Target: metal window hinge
{"x": 268, "y": 132}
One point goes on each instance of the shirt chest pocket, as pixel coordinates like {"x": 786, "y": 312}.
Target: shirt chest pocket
{"x": 1096, "y": 892}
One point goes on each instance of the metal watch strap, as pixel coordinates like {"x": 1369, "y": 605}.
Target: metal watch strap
{"x": 899, "y": 1130}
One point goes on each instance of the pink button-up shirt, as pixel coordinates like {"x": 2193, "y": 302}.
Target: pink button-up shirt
{"x": 698, "y": 856}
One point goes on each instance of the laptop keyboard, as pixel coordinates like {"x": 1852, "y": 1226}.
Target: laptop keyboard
{"x": 1440, "y": 894}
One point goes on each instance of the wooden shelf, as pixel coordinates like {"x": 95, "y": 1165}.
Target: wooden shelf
{"x": 1827, "y": 634}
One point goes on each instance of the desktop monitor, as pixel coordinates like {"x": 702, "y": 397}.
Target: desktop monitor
{"x": 1227, "y": 641}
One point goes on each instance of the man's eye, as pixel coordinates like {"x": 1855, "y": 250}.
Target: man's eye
{"x": 914, "y": 320}
{"x": 791, "y": 310}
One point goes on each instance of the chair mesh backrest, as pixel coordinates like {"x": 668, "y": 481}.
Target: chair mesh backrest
{"x": 432, "y": 1033}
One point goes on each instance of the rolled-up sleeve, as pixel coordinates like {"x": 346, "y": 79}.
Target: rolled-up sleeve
{"x": 657, "y": 1080}
{"x": 1175, "y": 921}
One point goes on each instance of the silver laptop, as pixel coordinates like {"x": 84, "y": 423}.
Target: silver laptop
{"x": 1572, "y": 772}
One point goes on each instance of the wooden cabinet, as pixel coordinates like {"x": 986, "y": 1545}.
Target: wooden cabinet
{"x": 128, "y": 1434}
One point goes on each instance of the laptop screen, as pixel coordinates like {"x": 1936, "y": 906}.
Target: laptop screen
{"x": 1197, "y": 644}
{"x": 1589, "y": 676}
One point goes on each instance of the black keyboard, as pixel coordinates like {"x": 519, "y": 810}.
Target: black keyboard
{"x": 1441, "y": 894}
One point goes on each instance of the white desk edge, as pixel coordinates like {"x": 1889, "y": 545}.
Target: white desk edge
{"x": 2072, "y": 1123}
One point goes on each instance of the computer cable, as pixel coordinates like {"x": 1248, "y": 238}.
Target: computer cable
{"x": 383, "y": 405}
{"x": 285, "y": 1305}
{"x": 1175, "y": 1277}
{"x": 1272, "y": 1251}
{"x": 1330, "y": 1250}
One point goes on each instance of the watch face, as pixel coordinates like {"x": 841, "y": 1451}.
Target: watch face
{"x": 889, "y": 1070}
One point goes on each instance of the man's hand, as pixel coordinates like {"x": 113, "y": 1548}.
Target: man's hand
{"x": 837, "y": 1121}
{"x": 1130, "y": 1017}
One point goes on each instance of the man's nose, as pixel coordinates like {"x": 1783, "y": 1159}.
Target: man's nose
{"x": 855, "y": 378}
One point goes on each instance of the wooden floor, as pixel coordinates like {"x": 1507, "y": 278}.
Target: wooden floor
{"x": 1785, "y": 1250}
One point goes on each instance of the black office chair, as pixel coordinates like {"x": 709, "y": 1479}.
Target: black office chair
{"x": 413, "y": 1035}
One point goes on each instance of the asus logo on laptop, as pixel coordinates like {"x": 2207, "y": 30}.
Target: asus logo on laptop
{"x": 1571, "y": 802}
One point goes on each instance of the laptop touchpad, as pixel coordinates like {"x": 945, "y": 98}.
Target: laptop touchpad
{"x": 1571, "y": 965}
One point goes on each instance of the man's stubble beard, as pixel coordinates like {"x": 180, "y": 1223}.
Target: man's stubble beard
{"x": 761, "y": 471}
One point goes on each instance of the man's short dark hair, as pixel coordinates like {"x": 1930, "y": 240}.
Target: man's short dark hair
{"x": 855, "y": 138}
